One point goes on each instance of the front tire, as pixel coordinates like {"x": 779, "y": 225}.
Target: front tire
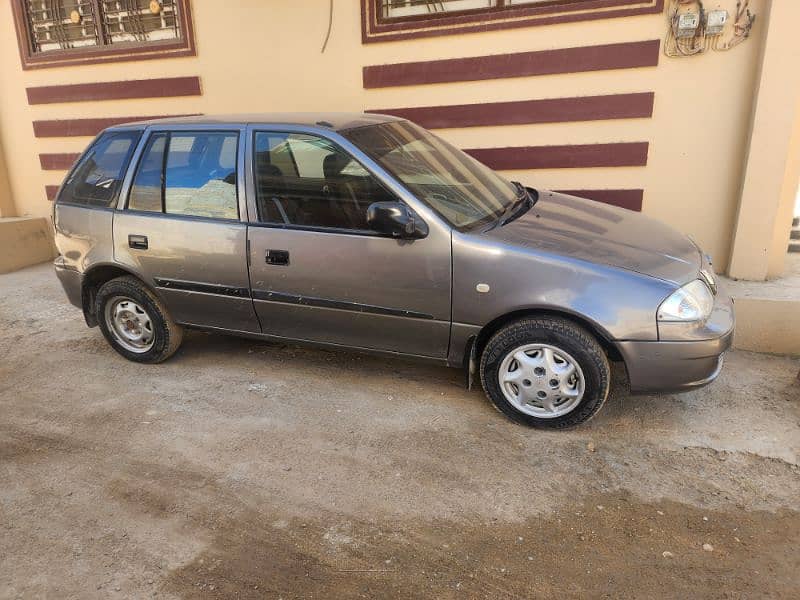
{"x": 135, "y": 322}
{"x": 545, "y": 372}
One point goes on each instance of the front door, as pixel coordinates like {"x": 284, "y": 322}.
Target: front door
{"x": 180, "y": 229}
{"x": 318, "y": 273}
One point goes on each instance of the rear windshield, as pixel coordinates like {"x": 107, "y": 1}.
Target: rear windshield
{"x": 96, "y": 179}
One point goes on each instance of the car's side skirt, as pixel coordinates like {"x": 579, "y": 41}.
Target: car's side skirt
{"x": 314, "y": 343}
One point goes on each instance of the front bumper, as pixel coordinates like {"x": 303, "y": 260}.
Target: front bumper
{"x": 70, "y": 280}
{"x": 687, "y": 355}
{"x": 663, "y": 367}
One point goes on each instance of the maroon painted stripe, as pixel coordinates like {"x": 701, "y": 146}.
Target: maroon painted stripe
{"x": 51, "y": 191}
{"x": 115, "y": 90}
{"x": 58, "y": 162}
{"x": 555, "y": 110}
{"x": 627, "y": 154}
{"x": 630, "y": 199}
{"x": 626, "y": 55}
{"x": 84, "y": 127}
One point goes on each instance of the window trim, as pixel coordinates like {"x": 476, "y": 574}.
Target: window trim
{"x": 139, "y": 156}
{"x": 256, "y": 221}
{"x": 134, "y": 172}
{"x": 125, "y": 51}
{"x": 375, "y": 28}
{"x": 321, "y": 229}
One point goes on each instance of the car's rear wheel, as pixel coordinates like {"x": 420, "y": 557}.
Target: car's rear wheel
{"x": 545, "y": 372}
{"x": 135, "y": 322}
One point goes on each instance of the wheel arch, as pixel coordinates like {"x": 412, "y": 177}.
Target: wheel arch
{"x": 93, "y": 278}
{"x": 603, "y": 337}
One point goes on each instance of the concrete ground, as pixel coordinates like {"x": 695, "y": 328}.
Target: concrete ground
{"x": 241, "y": 469}
{"x": 786, "y": 287}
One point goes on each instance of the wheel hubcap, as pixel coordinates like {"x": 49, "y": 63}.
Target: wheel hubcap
{"x": 130, "y": 324}
{"x": 541, "y": 380}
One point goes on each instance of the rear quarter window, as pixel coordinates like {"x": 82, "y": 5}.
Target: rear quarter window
{"x": 96, "y": 179}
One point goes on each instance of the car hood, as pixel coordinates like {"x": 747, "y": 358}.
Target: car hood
{"x": 590, "y": 231}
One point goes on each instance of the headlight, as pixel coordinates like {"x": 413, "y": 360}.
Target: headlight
{"x": 692, "y": 302}
{"x": 707, "y": 276}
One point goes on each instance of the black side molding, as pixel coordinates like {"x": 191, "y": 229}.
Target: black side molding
{"x": 206, "y": 288}
{"x": 337, "y": 304}
{"x": 267, "y": 296}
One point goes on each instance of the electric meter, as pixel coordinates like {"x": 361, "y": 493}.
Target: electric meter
{"x": 686, "y": 24}
{"x": 715, "y": 21}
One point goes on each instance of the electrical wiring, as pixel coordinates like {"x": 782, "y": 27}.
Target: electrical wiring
{"x": 742, "y": 25}
{"x": 675, "y": 46}
{"x": 330, "y": 24}
{"x": 700, "y": 41}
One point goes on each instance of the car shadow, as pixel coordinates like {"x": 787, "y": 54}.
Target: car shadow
{"x": 201, "y": 346}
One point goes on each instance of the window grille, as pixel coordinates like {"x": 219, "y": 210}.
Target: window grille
{"x": 55, "y": 25}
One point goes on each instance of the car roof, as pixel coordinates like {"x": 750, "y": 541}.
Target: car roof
{"x": 337, "y": 121}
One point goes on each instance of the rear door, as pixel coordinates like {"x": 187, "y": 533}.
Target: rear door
{"x": 319, "y": 273}
{"x": 181, "y": 231}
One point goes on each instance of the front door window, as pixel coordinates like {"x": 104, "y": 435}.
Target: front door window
{"x": 307, "y": 181}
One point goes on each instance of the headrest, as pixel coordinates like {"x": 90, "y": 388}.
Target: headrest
{"x": 333, "y": 164}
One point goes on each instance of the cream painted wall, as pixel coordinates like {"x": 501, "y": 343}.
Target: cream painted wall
{"x": 6, "y": 202}
{"x": 787, "y": 195}
{"x": 270, "y": 60}
{"x": 773, "y": 156}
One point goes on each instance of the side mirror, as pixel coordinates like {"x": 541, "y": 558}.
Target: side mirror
{"x": 394, "y": 218}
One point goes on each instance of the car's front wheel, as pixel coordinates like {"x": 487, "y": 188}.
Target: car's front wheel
{"x": 134, "y": 321}
{"x": 545, "y": 372}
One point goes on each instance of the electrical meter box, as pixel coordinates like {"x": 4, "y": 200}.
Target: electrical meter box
{"x": 686, "y": 24}
{"x": 715, "y": 21}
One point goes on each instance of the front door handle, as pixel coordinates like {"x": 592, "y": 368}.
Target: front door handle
{"x": 137, "y": 241}
{"x": 277, "y": 257}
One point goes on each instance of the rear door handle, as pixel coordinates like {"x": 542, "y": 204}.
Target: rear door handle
{"x": 137, "y": 241}
{"x": 277, "y": 257}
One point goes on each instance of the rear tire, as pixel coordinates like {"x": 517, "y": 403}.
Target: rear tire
{"x": 135, "y": 322}
{"x": 545, "y": 372}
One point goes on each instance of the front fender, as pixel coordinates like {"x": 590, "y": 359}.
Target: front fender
{"x": 619, "y": 303}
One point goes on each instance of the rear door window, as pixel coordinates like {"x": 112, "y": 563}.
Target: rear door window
{"x": 95, "y": 181}
{"x": 188, "y": 173}
{"x": 200, "y": 175}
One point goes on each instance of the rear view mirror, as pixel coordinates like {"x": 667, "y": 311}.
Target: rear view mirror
{"x": 394, "y": 218}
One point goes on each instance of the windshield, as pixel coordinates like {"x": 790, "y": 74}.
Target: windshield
{"x": 455, "y": 185}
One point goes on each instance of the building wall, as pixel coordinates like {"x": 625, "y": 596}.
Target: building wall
{"x": 265, "y": 56}
{"x": 6, "y": 202}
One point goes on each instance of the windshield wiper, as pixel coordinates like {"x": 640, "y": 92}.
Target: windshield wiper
{"x": 520, "y": 206}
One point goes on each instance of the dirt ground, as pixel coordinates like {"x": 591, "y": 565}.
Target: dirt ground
{"x": 241, "y": 469}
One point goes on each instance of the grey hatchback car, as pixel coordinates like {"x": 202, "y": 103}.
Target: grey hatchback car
{"x": 368, "y": 232}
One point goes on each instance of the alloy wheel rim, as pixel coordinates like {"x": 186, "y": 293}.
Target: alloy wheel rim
{"x": 541, "y": 380}
{"x": 130, "y": 324}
